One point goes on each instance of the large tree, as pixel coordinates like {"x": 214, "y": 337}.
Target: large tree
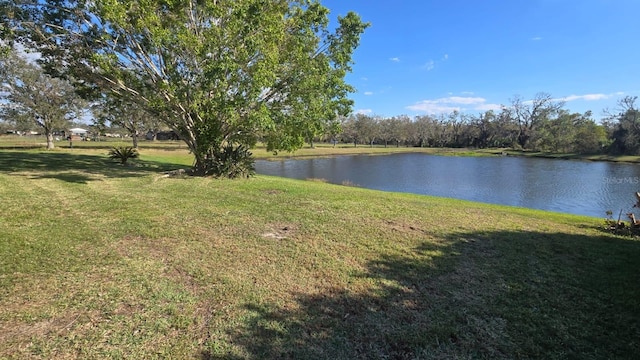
{"x": 531, "y": 115}
{"x": 425, "y": 129}
{"x": 221, "y": 73}
{"x": 32, "y": 97}
{"x": 368, "y": 127}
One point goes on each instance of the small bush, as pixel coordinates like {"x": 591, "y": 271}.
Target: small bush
{"x": 123, "y": 153}
{"x": 231, "y": 162}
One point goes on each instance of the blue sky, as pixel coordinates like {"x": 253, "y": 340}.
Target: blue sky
{"x": 429, "y": 57}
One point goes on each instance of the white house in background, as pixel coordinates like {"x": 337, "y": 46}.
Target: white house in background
{"x": 78, "y": 131}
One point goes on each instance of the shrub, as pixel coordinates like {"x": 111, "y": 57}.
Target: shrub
{"x": 232, "y": 162}
{"x": 123, "y": 153}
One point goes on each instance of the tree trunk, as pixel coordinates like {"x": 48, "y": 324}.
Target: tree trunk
{"x": 135, "y": 140}
{"x": 199, "y": 165}
{"x": 523, "y": 139}
{"x": 50, "y": 145}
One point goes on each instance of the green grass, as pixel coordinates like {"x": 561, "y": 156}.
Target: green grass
{"x": 99, "y": 260}
{"x": 39, "y": 142}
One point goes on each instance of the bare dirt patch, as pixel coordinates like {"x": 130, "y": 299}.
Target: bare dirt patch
{"x": 280, "y": 231}
{"x": 273, "y": 192}
{"x": 404, "y": 227}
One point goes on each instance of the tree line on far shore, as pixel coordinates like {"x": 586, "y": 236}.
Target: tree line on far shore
{"x": 541, "y": 124}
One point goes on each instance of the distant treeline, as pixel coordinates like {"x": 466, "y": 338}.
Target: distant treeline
{"x": 540, "y": 124}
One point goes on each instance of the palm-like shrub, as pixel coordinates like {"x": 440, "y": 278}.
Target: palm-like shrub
{"x": 232, "y": 162}
{"x": 123, "y": 153}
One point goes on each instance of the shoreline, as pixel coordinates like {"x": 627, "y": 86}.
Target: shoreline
{"x": 325, "y": 151}
{"x": 12, "y": 143}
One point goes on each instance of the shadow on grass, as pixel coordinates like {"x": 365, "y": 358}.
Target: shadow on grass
{"x": 504, "y": 294}
{"x": 77, "y": 168}
{"x": 108, "y": 145}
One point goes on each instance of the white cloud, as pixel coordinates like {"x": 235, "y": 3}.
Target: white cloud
{"x": 487, "y": 107}
{"x": 363, "y": 111}
{"x": 536, "y": 38}
{"x": 462, "y": 100}
{"x": 430, "y": 107}
{"x": 589, "y": 97}
{"x": 429, "y": 65}
{"x": 395, "y": 59}
{"x": 453, "y": 103}
{"x": 368, "y": 93}
{"x": 584, "y": 97}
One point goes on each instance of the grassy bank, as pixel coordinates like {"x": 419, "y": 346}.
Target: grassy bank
{"x": 103, "y": 261}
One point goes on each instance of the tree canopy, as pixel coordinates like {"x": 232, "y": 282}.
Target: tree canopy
{"x": 220, "y": 73}
{"x": 33, "y": 98}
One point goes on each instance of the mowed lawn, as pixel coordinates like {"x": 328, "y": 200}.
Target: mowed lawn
{"x": 99, "y": 260}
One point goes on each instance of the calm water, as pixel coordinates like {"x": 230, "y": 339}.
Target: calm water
{"x": 576, "y": 187}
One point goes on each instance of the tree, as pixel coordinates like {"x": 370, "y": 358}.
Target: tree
{"x": 456, "y": 124}
{"x": 558, "y": 134}
{"x": 332, "y": 131}
{"x": 4, "y": 127}
{"x": 506, "y": 128}
{"x": 349, "y": 130}
{"x": 530, "y": 115}
{"x": 119, "y": 112}
{"x": 33, "y": 97}
{"x": 590, "y": 137}
{"x": 443, "y": 131}
{"x": 401, "y": 129}
{"x": 485, "y": 129}
{"x": 367, "y": 128}
{"x": 626, "y": 130}
{"x": 219, "y": 73}
{"x": 391, "y": 131}
{"x": 322, "y": 130}
{"x": 425, "y": 128}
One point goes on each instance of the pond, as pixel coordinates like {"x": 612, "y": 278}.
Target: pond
{"x": 569, "y": 186}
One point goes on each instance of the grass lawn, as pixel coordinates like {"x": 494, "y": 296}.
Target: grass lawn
{"x": 99, "y": 260}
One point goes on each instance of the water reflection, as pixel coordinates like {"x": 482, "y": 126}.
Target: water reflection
{"x": 577, "y": 187}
